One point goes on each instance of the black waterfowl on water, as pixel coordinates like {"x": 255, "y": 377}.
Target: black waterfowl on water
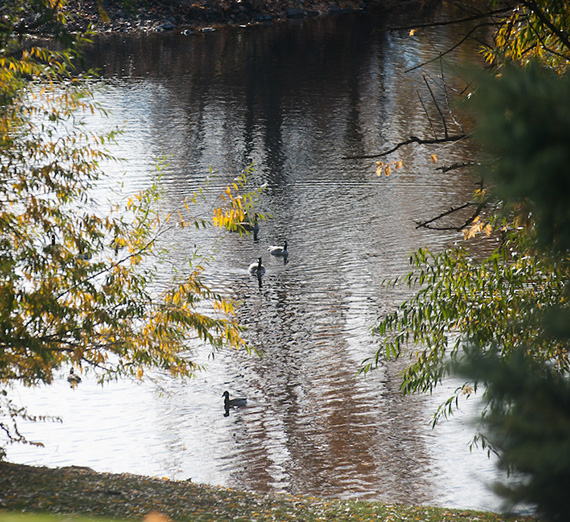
{"x": 257, "y": 268}
{"x": 279, "y": 251}
{"x": 73, "y": 379}
{"x": 251, "y": 226}
{"x": 233, "y": 403}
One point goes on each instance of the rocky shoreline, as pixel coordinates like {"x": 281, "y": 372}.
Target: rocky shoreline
{"x": 153, "y": 16}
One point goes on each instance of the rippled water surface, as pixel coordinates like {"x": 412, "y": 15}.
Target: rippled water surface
{"x": 294, "y": 99}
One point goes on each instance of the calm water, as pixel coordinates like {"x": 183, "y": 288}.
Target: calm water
{"x": 293, "y": 99}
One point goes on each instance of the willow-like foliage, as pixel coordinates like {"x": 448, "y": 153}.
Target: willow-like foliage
{"x": 517, "y": 297}
{"x": 501, "y": 322}
{"x": 457, "y": 299}
{"x": 534, "y": 30}
{"x": 77, "y": 281}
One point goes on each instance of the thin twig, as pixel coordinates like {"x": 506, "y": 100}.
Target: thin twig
{"x": 445, "y": 94}
{"x": 412, "y": 139}
{"x": 427, "y": 115}
{"x": 437, "y": 107}
{"x": 468, "y": 222}
{"x": 456, "y": 166}
{"x": 444, "y": 214}
{"x": 472, "y": 18}
{"x": 452, "y": 48}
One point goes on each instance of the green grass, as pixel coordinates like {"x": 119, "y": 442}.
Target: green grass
{"x": 319, "y": 511}
{"x": 80, "y": 494}
{"x": 33, "y": 517}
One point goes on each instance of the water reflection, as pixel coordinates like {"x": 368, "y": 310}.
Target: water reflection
{"x": 294, "y": 99}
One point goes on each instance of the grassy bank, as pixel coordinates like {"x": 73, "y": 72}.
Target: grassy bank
{"x": 83, "y": 492}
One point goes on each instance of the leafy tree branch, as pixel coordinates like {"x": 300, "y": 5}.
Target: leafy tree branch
{"x": 501, "y": 321}
{"x": 78, "y": 280}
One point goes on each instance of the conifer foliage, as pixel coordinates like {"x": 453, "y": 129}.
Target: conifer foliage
{"x": 501, "y": 320}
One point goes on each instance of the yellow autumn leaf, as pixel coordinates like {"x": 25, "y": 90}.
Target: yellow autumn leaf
{"x": 379, "y": 168}
{"x": 412, "y": 32}
{"x": 399, "y": 165}
{"x": 433, "y": 158}
{"x": 471, "y": 231}
{"x": 387, "y": 170}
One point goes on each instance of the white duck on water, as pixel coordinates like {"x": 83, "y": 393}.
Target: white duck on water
{"x": 257, "y": 268}
{"x": 279, "y": 251}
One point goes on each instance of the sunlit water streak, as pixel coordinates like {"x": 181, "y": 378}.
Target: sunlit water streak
{"x": 293, "y": 99}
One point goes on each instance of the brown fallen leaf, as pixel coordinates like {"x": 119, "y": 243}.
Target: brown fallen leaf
{"x": 155, "y": 516}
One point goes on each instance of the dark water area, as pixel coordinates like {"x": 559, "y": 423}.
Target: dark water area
{"x": 295, "y": 99}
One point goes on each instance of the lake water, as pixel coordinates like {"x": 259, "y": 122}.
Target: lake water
{"x": 294, "y": 99}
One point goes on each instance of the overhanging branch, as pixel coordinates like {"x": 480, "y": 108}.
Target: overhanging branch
{"x": 409, "y": 141}
{"x": 472, "y": 18}
{"x": 531, "y": 4}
